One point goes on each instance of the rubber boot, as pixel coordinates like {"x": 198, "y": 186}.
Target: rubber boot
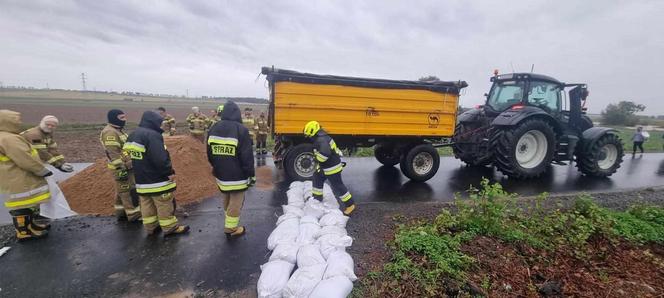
{"x": 24, "y": 228}
{"x": 349, "y": 210}
{"x": 239, "y": 231}
{"x": 39, "y": 222}
{"x": 179, "y": 230}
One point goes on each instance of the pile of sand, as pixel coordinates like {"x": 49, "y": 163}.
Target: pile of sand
{"x": 92, "y": 191}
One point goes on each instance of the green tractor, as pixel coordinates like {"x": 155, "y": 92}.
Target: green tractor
{"x": 529, "y": 122}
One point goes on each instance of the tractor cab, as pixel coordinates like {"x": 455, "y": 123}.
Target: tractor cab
{"x": 517, "y": 90}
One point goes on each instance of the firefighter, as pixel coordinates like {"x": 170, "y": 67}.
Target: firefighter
{"x": 250, "y": 124}
{"x": 262, "y": 130}
{"x": 198, "y": 123}
{"x": 216, "y": 115}
{"x": 22, "y": 183}
{"x": 329, "y": 166}
{"x": 155, "y": 178}
{"x": 230, "y": 153}
{"x": 168, "y": 126}
{"x": 41, "y": 138}
{"x": 113, "y": 138}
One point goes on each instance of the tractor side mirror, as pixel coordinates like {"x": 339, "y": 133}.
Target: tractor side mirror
{"x": 486, "y": 94}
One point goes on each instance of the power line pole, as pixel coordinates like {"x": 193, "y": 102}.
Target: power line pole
{"x": 187, "y": 92}
{"x": 83, "y": 80}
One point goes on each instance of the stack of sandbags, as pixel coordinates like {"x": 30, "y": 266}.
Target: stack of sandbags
{"x": 311, "y": 238}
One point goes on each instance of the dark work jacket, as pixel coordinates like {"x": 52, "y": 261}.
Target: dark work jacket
{"x": 326, "y": 152}
{"x": 150, "y": 160}
{"x": 229, "y": 150}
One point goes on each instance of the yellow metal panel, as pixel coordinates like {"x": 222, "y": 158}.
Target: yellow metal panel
{"x": 364, "y": 111}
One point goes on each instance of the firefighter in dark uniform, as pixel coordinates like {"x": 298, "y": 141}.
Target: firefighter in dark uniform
{"x": 329, "y": 166}
{"x": 229, "y": 150}
{"x": 155, "y": 178}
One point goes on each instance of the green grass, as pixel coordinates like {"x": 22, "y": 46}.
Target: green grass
{"x": 428, "y": 252}
{"x": 654, "y": 144}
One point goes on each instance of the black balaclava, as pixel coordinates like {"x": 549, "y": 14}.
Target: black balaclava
{"x": 113, "y": 118}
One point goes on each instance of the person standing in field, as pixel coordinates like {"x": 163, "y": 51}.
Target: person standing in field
{"x": 198, "y": 123}
{"x": 23, "y": 185}
{"x": 249, "y": 122}
{"x": 638, "y": 138}
{"x": 262, "y": 129}
{"x": 155, "y": 177}
{"x": 113, "y": 138}
{"x": 230, "y": 153}
{"x": 168, "y": 126}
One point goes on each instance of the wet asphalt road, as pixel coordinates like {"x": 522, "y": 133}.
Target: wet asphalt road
{"x": 93, "y": 256}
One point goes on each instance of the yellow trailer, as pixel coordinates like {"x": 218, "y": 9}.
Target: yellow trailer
{"x": 403, "y": 119}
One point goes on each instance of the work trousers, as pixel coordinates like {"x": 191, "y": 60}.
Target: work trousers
{"x": 158, "y": 210}
{"x": 233, "y": 202}
{"x": 261, "y": 143}
{"x": 199, "y": 137}
{"x": 637, "y": 145}
{"x": 336, "y": 183}
{"x": 124, "y": 204}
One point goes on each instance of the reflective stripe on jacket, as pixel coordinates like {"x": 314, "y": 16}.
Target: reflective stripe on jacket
{"x": 327, "y": 153}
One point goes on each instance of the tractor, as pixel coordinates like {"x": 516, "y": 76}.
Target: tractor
{"x": 528, "y": 122}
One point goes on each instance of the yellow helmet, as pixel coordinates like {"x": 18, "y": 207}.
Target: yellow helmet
{"x": 311, "y": 128}
{"x": 220, "y": 108}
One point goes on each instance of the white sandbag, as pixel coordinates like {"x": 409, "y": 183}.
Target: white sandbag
{"x": 340, "y": 263}
{"x": 334, "y": 218}
{"x": 285, "y": 252}
{"x": 286, "y": 216}
{"x": 292, "y": 209}
{"x": 296, "y": 184}
{"x": 332, "y": 242}
{"x": 314, "y": 208}
{"x": 303, "y": 281}
{"x": 57, "y": 206}
{"x": 336, "y": 287}
{"x": 331, "y": 230}
{"x": 307, "y": 184}
{"x": 329, "y": 200}
{"x": 285, "y": 232}
{"x": 309, "y": 255}
{"x": 296, "y": 201}
{"x": 273, "y": 279}
{"x": 308, "y": 230}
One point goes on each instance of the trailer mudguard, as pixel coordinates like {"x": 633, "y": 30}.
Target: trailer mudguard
{"x": 469, "y": 116}
{"x": 513, "y": 117}
{"x": 591, "y": 135}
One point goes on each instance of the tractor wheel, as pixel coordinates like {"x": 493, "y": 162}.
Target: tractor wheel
{"x": 420, "y": 163}
{"x": 525, "y": 150}
{"x": 603, "y": 158}
{"x": 466, "y": 147}
{"x": 300, "y": 163}
{"x": 387, "y": 154}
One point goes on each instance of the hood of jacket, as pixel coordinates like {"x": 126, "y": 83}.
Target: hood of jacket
{"x": 151, "y": 120}
{"x": 10, "y": 121}
{"x": 231, "y": 112}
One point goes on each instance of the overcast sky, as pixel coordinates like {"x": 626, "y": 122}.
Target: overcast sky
{"x": 217, "y": 47}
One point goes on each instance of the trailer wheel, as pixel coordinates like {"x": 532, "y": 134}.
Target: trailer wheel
{"x": 300, "y": 162}
{"x": 603, "y": 158}
{"x": 420, "y": 163}
{"x": 387, "y": 154}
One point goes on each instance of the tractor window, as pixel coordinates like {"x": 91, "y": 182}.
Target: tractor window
{"x": 505, "y": 94}
{"x": 545, "y": 95}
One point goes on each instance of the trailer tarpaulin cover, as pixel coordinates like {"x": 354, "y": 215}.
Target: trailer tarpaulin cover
{"x": 283, "y": 75}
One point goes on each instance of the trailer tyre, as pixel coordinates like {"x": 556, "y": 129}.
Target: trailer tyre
{"x": 387, "y": 154}
{"x": 300, "y": 162}
{"x": 420, "y": 163}
{"x": 601, "y": 159}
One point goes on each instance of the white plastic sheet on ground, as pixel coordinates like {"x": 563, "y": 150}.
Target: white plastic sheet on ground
{"x": 273, "y": 279}
{"x": 57, "y": 207}
{"x": 313, "y": 235}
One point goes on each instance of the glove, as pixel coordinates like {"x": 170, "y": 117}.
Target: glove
{"x": 48, "y": 173}
{"x": 67, "y": 168}
{"x": 252, "y": 181}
